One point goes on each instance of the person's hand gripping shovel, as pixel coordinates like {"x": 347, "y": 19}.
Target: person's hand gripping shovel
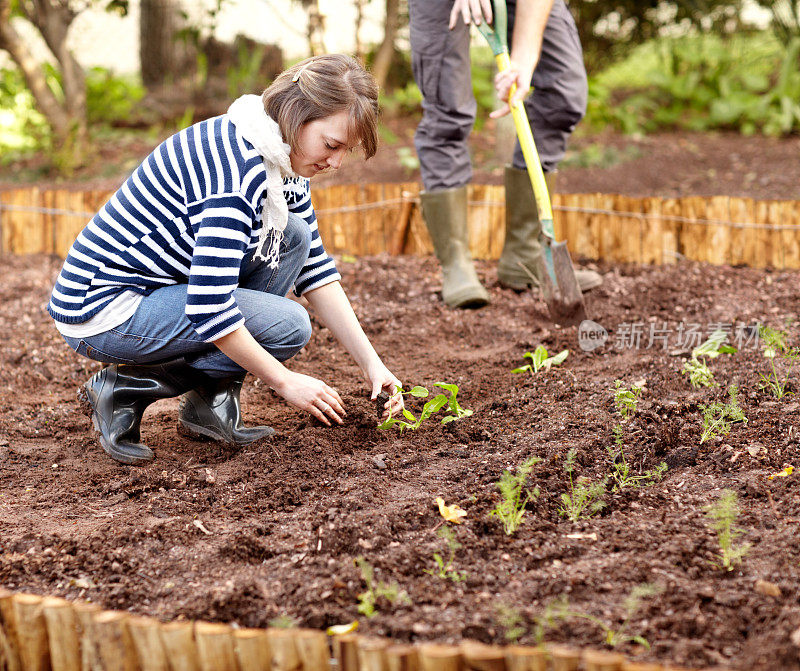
{"x": 555, "y": 271}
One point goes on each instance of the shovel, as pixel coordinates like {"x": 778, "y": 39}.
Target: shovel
{"x": 555, "y": 271}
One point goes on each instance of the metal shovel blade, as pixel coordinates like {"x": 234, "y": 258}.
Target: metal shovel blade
{"x": 559, "y": 285}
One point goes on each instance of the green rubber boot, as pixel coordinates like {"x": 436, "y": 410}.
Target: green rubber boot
{"x": 445, "y": 214}
{"x": 523, "y": 230}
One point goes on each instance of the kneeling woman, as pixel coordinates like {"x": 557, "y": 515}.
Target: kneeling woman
{"x": 180, "y": 282}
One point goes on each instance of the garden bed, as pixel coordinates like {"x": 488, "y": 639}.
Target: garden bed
{"x": 274, "y": 530}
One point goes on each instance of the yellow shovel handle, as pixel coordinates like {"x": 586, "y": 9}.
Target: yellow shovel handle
{"x": 528, "y": 148}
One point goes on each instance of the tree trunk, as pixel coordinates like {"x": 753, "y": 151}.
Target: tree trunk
{"x": 316, "y": 28}
{"x": 385, "y": 53}
{"x": 46, "y": 101}
{"x": 158, "y": 55}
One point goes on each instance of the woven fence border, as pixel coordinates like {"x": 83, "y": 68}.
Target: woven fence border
{"x": 53, "y": 634}
{"x": 362, "y": 219}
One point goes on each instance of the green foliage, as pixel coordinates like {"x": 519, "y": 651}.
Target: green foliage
{"x": 748, "y": 83}
{"x": 596, "y": 155}
{"x": 510, "y": 619}
{"x": 718, "y": 417}
{"x": 696, "y": 367}
{"x": 111, "y": 97}
{"x": 407, "y": 158}
{"x": 626, "y": 400}
{"x": 585, "y": 498}
{"x": 540, "y": 360}
{"x": 560, "y": 610}
{"x": 431, "y": 407}
{"x": 723, "y": 514}
{"x": 283, "y": 621}
{"x": 401, "y": 101}
{"x": 515, "y": 496}
{"x": 368, "y": 601}
{"x": 773, "y": 346}
{"x": 444, "y": 569}
{"x": 22, "y": 127}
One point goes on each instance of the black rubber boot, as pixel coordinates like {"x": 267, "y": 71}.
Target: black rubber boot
{"x": 118, "y": 395}
{"x": 213, "y": 410}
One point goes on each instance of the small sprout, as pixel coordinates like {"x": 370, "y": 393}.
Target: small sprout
{"x": 541, "y": 361}
{"x": 696, "y": 367}
{"x": 431, "y": 407}
{"x": 718, "y": 417}
{"x": 585, "y": 498}
{"x": 626, "y": 400}
{"x": 444, "y": 569}
{"x": 368, "y": 601}
{"x": 452, "y": 513}
{"x": 283, "y": 621}
{"x": 510, "y": 619}
{"x": 515, "y": 497}
{"x": 774, "y": 347}
{"x": 723, "y": 514}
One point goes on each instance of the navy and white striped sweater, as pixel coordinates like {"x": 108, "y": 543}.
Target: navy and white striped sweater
{"x": 188, "y": 214}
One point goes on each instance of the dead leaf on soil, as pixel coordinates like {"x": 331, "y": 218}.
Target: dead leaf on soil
{"x": 754, "y": 449}
{"x": 767, "y": 588}
{"x": 200, "y": 526}
{"x": 785, "y": 473}
{"x": 452, "y": 513}
{"x": 339, "y": 629}
{"x": 796, "y": 637}
{"x": 589, "y": 537}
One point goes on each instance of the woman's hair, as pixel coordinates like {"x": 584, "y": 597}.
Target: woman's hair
{"x": 319, "y": 87}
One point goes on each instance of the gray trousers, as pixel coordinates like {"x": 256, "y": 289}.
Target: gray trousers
{"x": 441, "y": 66}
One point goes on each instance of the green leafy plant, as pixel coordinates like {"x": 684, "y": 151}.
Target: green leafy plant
{"x": 510, "y": 619}
{"x": 431, "y": 407}
{"x": 444, "y": 569}
{"x": 515, "y": 496}
{"x": 540, "y": 360}
{"x": 368, "y": 601}
{"x": 283, "y": 621}
{"x": 723, "y": 514}
{"x": 613, "y": 637}
{"x": 626, "y": 401}
{"x": 585, "y": 498}
{"x": 718, "y": 417}
{"x": 696, "y": 367}
{"x": 773, "y": 346}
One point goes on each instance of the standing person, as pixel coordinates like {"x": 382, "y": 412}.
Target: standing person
{"x": 180, "y": 281}
{"x": 546, "y": 54}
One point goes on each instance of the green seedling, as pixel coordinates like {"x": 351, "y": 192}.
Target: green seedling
{"x": 541, "y": 361}
{"x": 696, "y": 367}
{"x": 626, "y": 400}
{"x": 723, "y": 514}
{"x": 368, "y": 601}
{"x": 431, "y": 407}
{"x": 283, "y": 621}
{"x": 560, "y": 610}
{"x": 622, "y": 474}
{"x": 510, "y": 619}
{"x": 515, "y": 496}
{"x": 774, "y": 347}
{"x": 444, "y": 569}
{"x": 718, "y": 417}
{"x": 585, "y": 498}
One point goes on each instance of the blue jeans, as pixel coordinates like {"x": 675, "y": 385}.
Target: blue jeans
{"x": 160, "y": 331}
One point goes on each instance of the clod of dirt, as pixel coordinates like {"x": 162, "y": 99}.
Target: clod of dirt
{"x": 380, "y": 402}
{"x": 379, "y": 461}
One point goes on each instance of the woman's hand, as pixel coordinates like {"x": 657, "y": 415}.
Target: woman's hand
{"x": 312, "y": 395}
{"x": 382, "y": 379}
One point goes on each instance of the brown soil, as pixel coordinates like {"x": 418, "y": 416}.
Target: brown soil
{"x": 249, "y": 535}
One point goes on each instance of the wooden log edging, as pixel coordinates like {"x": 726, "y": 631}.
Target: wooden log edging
{"x": 53, "y": 634}
{"x": 363, "y": 219}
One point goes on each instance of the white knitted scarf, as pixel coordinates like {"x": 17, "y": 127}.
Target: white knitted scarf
{"x": 248, "y": 115}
